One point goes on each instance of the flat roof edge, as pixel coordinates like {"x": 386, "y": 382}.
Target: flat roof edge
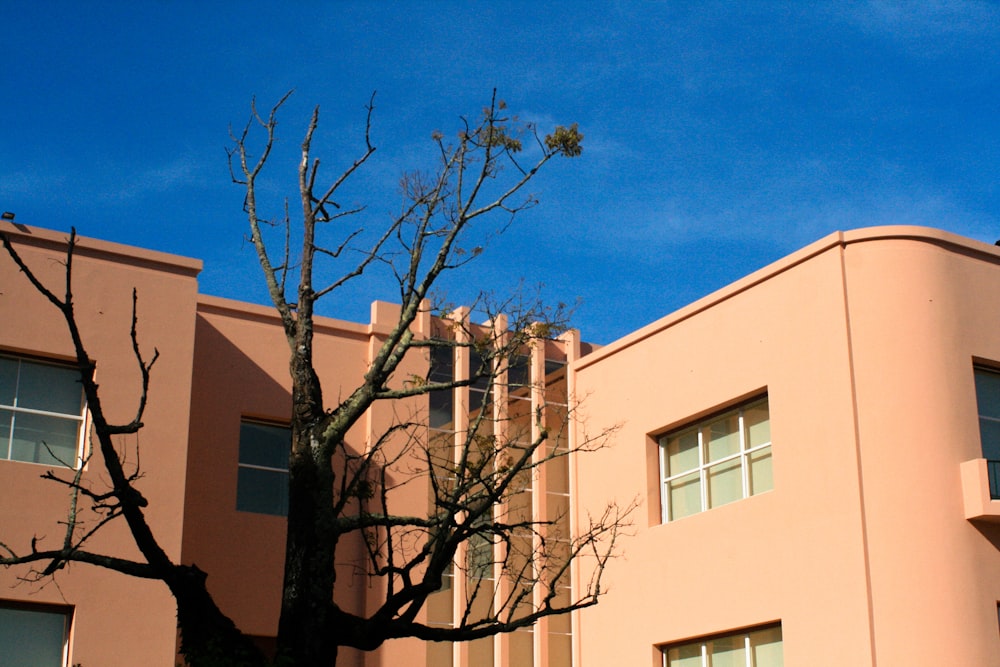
{"x": 96, "y": 248}
{"x": 254, "y": 311}
{"x": 939, "y": 237}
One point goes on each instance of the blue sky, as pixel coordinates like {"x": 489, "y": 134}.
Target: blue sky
{"x": 719, "y": 136}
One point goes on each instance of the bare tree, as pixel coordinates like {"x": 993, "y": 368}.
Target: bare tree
{"x": 478, "y": 475}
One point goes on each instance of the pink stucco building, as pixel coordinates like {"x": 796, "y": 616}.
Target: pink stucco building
{"x": 810, "y": 447}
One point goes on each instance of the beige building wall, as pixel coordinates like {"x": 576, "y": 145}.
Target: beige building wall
{"x": 241, "y": 373}
{"x": 878, "y": 544}
{"x": 864, "y": 344}
{"x": 117, "y": 621}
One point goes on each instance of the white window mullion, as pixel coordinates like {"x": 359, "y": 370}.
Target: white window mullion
{"x": 702, "y": 470}
{"x": 13, "y": 414}
{"x": 676, "y": 452}
{"x": 10, "y": 437}
{"x": 664, "y": 491}
{"x": 267, "y": 468}
{"x": 746, "y": 650}
{"x": 45, "y": 413}
{"x": 744, "y": 459}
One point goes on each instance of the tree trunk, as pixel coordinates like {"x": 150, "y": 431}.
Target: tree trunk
{"x": 304, "y": 630}
{"x": 208, "y": 637}
{"x": 304, "y": 636}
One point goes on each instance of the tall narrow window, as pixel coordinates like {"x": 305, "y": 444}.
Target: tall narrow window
{"x": 41, "y": 412}
{"x": 442, "y": 403}
{"x": 988, "y": 398}
{"x": 759, "y": 647}
{"x": 716, "y": 461}
{"x": 33, "y": 636}
{"x": 262, "y": 485}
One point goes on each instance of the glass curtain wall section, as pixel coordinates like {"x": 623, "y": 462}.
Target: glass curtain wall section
{"x": 480, "y": 587}
{"x": 519, "y": 562}
{"x": 555, "y": 477}
{"x": 530, "y": 394}
{"x": 441, "y": 444}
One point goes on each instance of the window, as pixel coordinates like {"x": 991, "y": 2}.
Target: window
{"x": 262, "y": 485}
{"x": 442, "y": 403}
{"x": 33, "y": 637}
{"x": 759, "y": 647}
{"x": 41, "y": 412}
{"x": 716, "y": 461}
{"x": 988, "y": 399}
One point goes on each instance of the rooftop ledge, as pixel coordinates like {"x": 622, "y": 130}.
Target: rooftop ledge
{"x": 929, "y": 235}
{"x": 90, "y": 247}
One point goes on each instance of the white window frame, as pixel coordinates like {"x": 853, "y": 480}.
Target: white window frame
{"x": 6, "y": 449}
{"x": 747, "y": 647}
{"x": 743, "y": 454}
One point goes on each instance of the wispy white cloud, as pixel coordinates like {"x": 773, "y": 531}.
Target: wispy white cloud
{"x": 124, "y": 183}
{"x": 931, "y": 25}
{"x": 788, "y": 210}
{"x": 104, "y": 181}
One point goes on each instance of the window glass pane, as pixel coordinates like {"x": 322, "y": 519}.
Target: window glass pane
{"x": 481, "y": 652}
{"x": 685, "y": 495}
{"x": 8, "y": 380}
{"x": 522, "y": 650}
{"x": 441, "y": 365}
{"x": 757, "y": 423}
{"x": 476, "y": 399}
{"x": 716, "y": 448}
{"x": 988, "y": 392}
{"x": 440, "y": 607}
{"x": 561, "y": 624}
{"x": 262, "y": 491}
{"x": 441, "y": 451}
{"x": 439, "y": 654}
{"x": 682, "y": 453}
{"x": 557, "y": 471}
{"x": 685, "y": 656}
{"x": 519, "y": 371}
{"x": 725, "y": 483}
{"x": 727, "y": 652}
{"x": 44, "y": 439}
{"x": 49, "y": 388}
{"x": 723, "y": 437}
{"x": 557, "y": 509}
{"x": 31, "y": 638}
{"x": 519, "y": 420}
{"x": 6, "y": 417}
{"x": 761, "y": 477}
{"x": 765, "y": 647}
{"x": 479, "y": 370}
{"x": 441, "y": 409}
{"x": 553, "y": 365}
{"x": 989, "y": 435}
{"x": 560, "y": 651}
{"x": 480, "y": 557}
{"x": 264, "y": 445}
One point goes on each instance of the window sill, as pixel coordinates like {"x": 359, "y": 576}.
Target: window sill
{"x": 976, "y": 492}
